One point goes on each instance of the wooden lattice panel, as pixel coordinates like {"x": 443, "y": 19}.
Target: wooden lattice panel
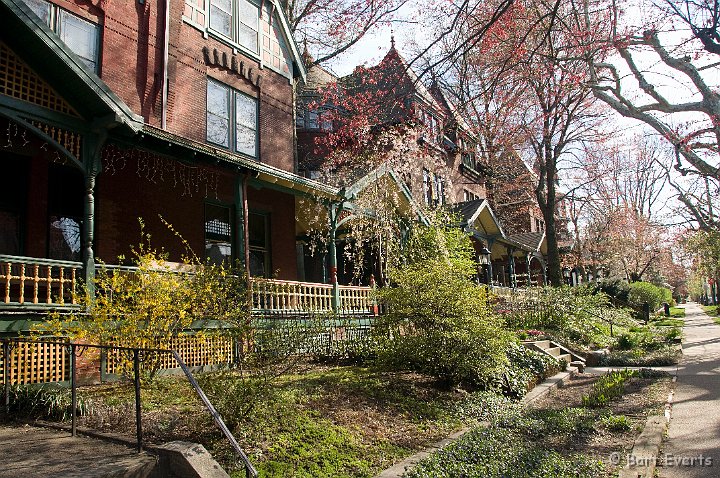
{"x": 19, "y": 81}
{"x": 68, "y": 139}
{"x": 195, "y": 351}
{"x": 36, "y": 363}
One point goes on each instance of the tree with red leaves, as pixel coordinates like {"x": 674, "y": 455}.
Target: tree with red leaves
{"x": 331, "y": 27}
{"x": 532, "y": 61}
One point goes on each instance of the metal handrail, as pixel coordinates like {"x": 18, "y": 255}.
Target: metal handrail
{"x": 7, "y": 344}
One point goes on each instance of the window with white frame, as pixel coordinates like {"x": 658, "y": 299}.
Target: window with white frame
{"x": 439, "y": 189}
{"x": 81, "y": 36}
{"x": 236, "y": 20}
{"x": 231, "y": 119}
{"x": 469, "y": 196}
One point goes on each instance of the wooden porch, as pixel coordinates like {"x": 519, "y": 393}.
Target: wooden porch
{"x": 30, "y": 283}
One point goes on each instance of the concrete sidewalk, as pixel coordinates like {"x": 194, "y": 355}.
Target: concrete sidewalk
{"x": 694, "y": 433}
{"x": 42, "y": 452}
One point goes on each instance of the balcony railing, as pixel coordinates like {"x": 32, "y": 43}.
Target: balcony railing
{"x": 33, "y": 282}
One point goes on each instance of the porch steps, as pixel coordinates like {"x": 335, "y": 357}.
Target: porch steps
{"x": 554, "y": 349}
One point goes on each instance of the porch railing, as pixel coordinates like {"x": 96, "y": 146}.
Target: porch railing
{"x": 42, "y": 283}
{"x": 30, "y": 281}
{"x": 272, "y": 295}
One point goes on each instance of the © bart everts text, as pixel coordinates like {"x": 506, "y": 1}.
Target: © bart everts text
{"x": 666, "y": 460}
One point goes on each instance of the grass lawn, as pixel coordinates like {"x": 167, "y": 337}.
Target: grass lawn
{"x": 712, "y": 311}
{"x": 325, "y": 422}
{"x": 677, "y": 311}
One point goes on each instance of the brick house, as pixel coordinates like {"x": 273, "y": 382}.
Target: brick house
{"x": 113, "y": 111}
{"x": 445, "y": 170}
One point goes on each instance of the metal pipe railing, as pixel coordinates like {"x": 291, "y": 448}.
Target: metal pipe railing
{"x": 9, "y": 343}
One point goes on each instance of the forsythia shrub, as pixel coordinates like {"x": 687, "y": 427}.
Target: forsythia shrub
{"x": 155, "y": 302}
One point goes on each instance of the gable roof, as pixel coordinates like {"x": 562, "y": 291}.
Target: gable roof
{"x": 49, "y": 57}
{"x": 381, "y": 172}
{"x": 531, "y": 241}
{"x": 441, "y": 96}
{"x": 420, "y": 88}
{"x": 478, "y": 213}
{"x": 297, "y": 57}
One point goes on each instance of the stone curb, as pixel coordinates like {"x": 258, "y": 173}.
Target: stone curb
{"x": 646, "y": 449}
{"x": 539, "y": 391}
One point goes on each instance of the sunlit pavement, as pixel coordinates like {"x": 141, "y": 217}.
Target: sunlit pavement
{"x": 693, "y": 446}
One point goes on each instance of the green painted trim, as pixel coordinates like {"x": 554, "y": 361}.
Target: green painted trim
{"x": 26, "y": 110}
{"x": 17, "y": 10}
{"x": 42, "y": 135}
{"x": 260, "y": 184}
{"x": 240, "y": 221}
{"x": 313, "y": 189}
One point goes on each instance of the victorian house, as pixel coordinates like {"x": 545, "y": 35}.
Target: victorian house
{"x": 441, "y": 168}
{"x": 176, "y": 111}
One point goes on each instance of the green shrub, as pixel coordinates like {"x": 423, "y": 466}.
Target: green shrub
{"x": 616, "y": 423}
{"x": 664, "y": 355}
{"x": 579, "y": 317}
{"x": 607, "y": 387}
{"x": 525, "y": 368}
{"x": 440, "y": 323}
{"x": 615, "y": 288}
{"x": 46, "y": 401}
{"x": 646, "y": 293}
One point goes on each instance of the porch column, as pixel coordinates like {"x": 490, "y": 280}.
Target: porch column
{"x": 92, "y": 165}
{"x": 490, "y": 243}
{"x": 333, "y": 216}
{"x": 241, "y": 223}
{"x": 511, "y": 266}
{"x": 528, "y": 258}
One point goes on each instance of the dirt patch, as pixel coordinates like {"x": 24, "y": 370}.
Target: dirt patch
{"x": 643, "y": 397}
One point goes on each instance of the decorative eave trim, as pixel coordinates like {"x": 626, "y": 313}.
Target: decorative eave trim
{"x": 262, "y": 171}
{"x": 123, "y": 114}
{"x": 219, "y": 59}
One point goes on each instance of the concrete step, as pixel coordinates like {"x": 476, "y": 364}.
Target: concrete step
{"x": 566, "y": 357}
{"x": 554, "y": 349}
{"x": 543, "y": 344}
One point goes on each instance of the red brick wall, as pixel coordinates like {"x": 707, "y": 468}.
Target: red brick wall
{"x": 131, "y": 65}
{"x": 125, "y": 194}
{"x": 281, "y": 208}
